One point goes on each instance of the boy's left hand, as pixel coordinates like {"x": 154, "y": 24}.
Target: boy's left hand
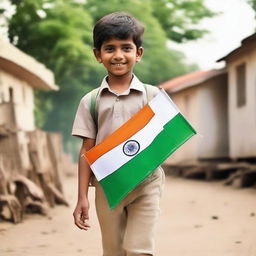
{"x": 81, "y": 215}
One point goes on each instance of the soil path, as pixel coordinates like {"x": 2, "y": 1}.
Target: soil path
{"x": 198, "y": 219}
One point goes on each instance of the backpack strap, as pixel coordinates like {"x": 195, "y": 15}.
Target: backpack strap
{"x": 150, "y": 93}
{"x": 93, "y": 111}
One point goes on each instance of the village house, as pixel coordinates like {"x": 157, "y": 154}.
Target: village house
{"x": 30, "y": 159}
{"x": 241, "y": 69}
{"x": 201, "y": 97}
{"x": 20, "y": 74}
{"x": 221, "y": 105}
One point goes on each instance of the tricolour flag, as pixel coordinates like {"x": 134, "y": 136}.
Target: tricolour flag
{"x": 138, "y": 147}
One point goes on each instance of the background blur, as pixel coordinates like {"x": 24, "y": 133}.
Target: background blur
{"x": 58, "y": 34}
{"x": 202, "y": 52}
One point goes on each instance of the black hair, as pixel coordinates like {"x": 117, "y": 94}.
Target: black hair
{"x": 119, "y": 25}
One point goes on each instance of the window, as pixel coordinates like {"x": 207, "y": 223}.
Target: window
{"x": 10, "y": 94}
{"x": 241, "y": 85}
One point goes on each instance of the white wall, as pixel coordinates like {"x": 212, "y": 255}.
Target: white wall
{"x": 213, "y": 116}
{"x": 242, "y": 120}
{"x": 23, "y": 100}
{"x": 205, "y": 107}
{"x": 187, "y": 102}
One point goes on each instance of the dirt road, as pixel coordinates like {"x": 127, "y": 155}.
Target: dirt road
{"x": 198, "y": 219}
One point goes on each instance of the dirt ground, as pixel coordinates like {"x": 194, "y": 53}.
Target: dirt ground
{"x": 198, "y": 219}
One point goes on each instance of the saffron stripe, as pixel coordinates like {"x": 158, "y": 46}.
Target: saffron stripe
{"x": 136, "y": 123}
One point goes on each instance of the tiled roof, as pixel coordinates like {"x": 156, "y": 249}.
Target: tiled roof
{"x": 190, "y": 79}
{"x": 25, "y": 67}
{"x": 245, "y": 43}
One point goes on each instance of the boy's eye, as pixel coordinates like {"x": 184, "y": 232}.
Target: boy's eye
{"x": 127, "y": 48}
{"x": 109, "y": 49}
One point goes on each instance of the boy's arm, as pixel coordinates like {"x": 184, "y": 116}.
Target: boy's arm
{"x": 80, "y": 214}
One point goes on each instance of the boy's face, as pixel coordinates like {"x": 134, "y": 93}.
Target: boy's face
{"x": 119, "y": 56}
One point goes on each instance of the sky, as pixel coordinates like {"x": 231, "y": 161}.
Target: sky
{"x": 236, "y": 21}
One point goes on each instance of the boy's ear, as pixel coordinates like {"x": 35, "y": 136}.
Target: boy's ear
{"x": 97, "y": 55}
{"x": 139, "y": 54}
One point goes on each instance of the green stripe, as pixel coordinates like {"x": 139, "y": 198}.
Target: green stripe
{"x": 118, "y": 184}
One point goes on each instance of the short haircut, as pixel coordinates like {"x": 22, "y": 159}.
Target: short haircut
{"x": 119, "y": 25}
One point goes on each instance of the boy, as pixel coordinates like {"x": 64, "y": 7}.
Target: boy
{"x": 129, "y": 228}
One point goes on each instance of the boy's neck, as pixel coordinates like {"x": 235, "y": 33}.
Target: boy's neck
{"x": 119, "y": 84}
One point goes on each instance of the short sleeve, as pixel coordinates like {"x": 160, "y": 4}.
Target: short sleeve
{"x": 83, "y": 125}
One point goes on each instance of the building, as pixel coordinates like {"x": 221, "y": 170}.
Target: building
{"x": 30, "y": 159}
{"x": 20, "y": 74}
{"x": 202, "y": 98}
{"x": 241, "y": 69}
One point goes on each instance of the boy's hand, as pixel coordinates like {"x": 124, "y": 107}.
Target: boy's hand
{"x": 81, "y": 215}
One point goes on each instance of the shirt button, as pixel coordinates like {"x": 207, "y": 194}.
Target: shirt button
{"x": 117, "y": 99}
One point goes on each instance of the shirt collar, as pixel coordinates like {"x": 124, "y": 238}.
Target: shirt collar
{"x": 135, "y": 84}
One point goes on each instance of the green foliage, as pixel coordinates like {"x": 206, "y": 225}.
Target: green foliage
{"x": 179, "y": 18}
{"x": 253, "y": 4}
{"x": 58, "y": 33}
{"x": 42, "y": 102}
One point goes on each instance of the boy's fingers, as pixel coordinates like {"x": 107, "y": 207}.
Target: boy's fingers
{"x": 80, "y": 221}
{"x": 84, "y": 218}
{"x": 84, "y": 215}
{"x": 82, "y": 226}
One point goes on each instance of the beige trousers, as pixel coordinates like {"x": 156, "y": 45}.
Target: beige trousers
{"x": 129, "y": 229}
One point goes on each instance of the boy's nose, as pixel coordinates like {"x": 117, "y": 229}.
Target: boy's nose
{"x": 118, "y": 55}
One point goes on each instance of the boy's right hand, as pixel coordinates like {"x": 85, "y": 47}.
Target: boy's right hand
{"x": 81, "y": 214}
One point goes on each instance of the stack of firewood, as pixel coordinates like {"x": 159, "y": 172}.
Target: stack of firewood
{"x": 30, "y": 173}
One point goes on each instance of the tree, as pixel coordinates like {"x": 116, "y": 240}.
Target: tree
{"x": 179, "y": 18}
{"x": 253, "y": 4}
{"x": 58, "y": 34}
{"x": 55, "y": 34}
{"x": 159, "y": 63}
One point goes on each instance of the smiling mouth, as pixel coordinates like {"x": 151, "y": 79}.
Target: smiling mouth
{"x": 118, "y": 64}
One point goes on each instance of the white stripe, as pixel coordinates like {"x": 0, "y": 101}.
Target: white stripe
{"x": 164, "y": 110}
{"x": 163, "y": 107}
{"x": 115, "y": 158}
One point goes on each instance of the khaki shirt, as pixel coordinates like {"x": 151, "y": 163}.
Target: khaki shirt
{"x": 114, "y": 109}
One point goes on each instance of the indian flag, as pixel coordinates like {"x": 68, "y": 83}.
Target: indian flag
{"x": 138, "y": 147}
